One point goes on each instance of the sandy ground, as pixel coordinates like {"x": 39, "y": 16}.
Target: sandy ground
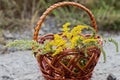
{"x": 21, "y": 65}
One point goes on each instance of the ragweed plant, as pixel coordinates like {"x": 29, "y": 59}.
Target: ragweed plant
{"x": 69, "y": 39}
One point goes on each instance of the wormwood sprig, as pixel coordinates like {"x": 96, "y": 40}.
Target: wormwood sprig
{"x": 114, "y": 42}
{"x": 25, "y": 44}
{"x": 21, "y": 44}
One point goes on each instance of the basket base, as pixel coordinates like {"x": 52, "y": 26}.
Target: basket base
{"x": 46, "y": 78}
{"x": 87, "y": 77}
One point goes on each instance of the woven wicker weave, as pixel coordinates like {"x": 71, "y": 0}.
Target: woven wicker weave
{"x": 53, "y": 68}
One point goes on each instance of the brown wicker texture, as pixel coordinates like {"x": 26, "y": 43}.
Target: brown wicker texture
{"x": 66, "y": 65}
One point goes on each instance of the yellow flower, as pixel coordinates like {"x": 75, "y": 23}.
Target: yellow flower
{"x": 58, "y": 41}
{"x": 66, "y": 30}
{"x": 65, "y": 27}
{"x": 77, "y": 30}
{"x": 74, "y": 41}
{"x": 57, "y": 51}
{"x": 90, "y": 40}
{"x": 57, "y": 37}
{"x": 61, "y": 43}
{"x": 69, "y": 35}
{"x": 47, "y": 47}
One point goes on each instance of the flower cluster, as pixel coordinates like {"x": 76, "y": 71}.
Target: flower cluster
{"x": 69, "y": 39}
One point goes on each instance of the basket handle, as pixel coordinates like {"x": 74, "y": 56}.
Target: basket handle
{"x": 51, "y": 8}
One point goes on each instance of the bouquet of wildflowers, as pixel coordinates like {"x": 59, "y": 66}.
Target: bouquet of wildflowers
{"x": 69, "y": 39}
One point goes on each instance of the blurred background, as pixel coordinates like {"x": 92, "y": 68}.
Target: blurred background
{"x": 19, "y": 17}
{"x": 25, "y": 13}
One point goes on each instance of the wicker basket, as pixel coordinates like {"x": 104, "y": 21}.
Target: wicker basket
{"x": 53, "y": 68}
